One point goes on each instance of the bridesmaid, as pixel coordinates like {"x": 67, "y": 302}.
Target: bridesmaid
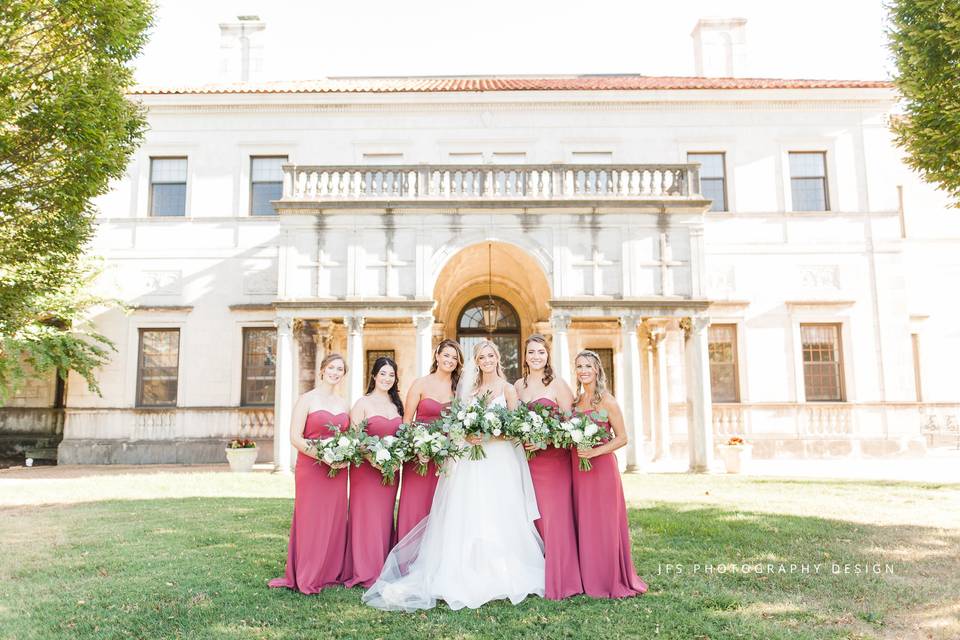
{"x": 370, "y": 528}
{"x": 427, "y": 398}
{"x": 550, "y": 469}
{"x": 599, "y": 506}
{"x": 318, "y": 532}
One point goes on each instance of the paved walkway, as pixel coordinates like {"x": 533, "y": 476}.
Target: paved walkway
{"x": 939, "y": 465}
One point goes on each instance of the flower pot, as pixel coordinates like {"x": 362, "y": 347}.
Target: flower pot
{"x": 736, "y": 457}
{"x": 241, "y": 460}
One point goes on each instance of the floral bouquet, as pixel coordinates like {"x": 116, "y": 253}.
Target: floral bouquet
{"x": 531, "y": 424}
{"x": 427, "y": 443}
{"x": 342, "y": 447}
{"x": 581, "y": 432}
{"x": 462, "y": 420}
{"x": 386, "y": 453}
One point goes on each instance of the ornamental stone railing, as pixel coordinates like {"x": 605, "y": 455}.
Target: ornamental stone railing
{"x": 310, "y": 186}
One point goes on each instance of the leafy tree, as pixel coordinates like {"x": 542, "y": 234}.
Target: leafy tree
{"x": 66, "y": 129}
{"x": 925, "y": 41}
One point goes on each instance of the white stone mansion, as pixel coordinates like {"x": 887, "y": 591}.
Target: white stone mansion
{"x": 750, "y": 257}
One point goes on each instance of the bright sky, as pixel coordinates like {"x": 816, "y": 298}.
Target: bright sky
{"x": 823, "y": 39}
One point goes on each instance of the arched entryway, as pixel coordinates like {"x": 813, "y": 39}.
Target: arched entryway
{"x": 507, "y": 335}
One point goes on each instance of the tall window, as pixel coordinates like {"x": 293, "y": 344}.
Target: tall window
{"x": 372, "y": 355}
{"x": 808, "y": 181}
{"x": 259, "y": 366}
{"x": 917, "y": 383}
{"x": 722, "y": 341}
{"x": 822, "y": 362}
{"x": 168, "y": 186}
{"x": 713, "y": 178}
{"x": 606, "y": 359}
{"x": 470, "y": 331}
{"x": 158, "y": 367}
{"x": 266, "y": 183}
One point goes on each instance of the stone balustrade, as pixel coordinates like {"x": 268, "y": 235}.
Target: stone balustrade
{"x": 545, "y": 185}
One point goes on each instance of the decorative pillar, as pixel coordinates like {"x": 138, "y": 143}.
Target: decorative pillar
{"x": 660, "y": 402}
{"x": 699, "y": 408}
{"x": 631, "y": 402}
{"x": 424, "y": 328}
{"x": 355, "y": 357}
{"x": 560, "y": 323}
{"x": 284, "y": 396}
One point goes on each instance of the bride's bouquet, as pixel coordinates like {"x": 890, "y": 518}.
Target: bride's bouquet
{"x": 531, "y": 424}
{"x": 340, "y": 448}
{"x": 386, "y": 453}
{"x": 581, "y": 432}
{"x": 475, "y": 418}
{"x": 426, "y": 443}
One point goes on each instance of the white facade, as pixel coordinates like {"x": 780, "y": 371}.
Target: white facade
{"x": 598, "y": 259}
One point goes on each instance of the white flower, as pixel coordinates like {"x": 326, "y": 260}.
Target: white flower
{"x": 524, "y": 428}
{"x": 576, "y": 435}
{"x": 383, "y": 455}
{"x": 576, "y": 420}
{"x": 344, "y": 441}
{"x": 388, "y": 441}
{"x": 537, "y": 420}
{"x": 497, "y": 432}
{"x": 461, "y": 415}
{"x": 470, "y": 419}
{"x": 590, "y": 429}
{"x": 566, "y": 426}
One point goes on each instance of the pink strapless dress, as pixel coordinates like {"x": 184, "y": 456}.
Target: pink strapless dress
{"x": 603, "y": 535}
{"x": 416, "y": 492}
{"x": 551, "y": 473}
{"x": 318, "y": 532}
{"x": 370, "y": 528}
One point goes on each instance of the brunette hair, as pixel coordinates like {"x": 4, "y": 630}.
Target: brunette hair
{"x": 547, "y": 369}
{"x": 455, "y": 375}
{"x": 394, "y": 391}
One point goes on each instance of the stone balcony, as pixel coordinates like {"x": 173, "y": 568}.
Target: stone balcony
{"x": 645, "y": 187}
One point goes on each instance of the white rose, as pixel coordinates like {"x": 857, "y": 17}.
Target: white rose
{"x": 524, "y": 428}
{"x": 388, "y": 441}
{"x": 576, "y": 435}
{"x": 469, "y": 420}
{"x": 383, "y": 455}
{"x": 344, "y": 441}
{"x": 590, "y": 430}
{"x": 497, "y": 432}
{"x": 566, "y": 426}
{"x": 462, "y": 415}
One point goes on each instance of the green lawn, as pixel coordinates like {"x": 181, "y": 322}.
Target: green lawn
{"x": 162, "y": 556}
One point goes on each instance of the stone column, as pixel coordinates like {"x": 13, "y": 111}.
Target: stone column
{"x": 699, "y": 407}
{"x": 284, "y": 396}
{"x": 631, "y": 402}
{"x": 424, "y": 328}
{"x": 660, "y": 403}
{"x": 560, "y": 323}
{"x": 355, "y": 357}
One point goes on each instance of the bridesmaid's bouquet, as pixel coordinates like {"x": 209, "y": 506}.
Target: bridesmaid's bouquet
{"x": 385, "y": 453}
{"x": 426, "y": 443}
{"x": 531, "y": 424}
{"x": 343, "y": 447}
{"x": 581, "y": 432}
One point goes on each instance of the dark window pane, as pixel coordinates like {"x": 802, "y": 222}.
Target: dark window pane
{"x": 169, "y": 200}
{"x": 606, "y": 360}
{"x": 158, "y": 369}
{"x": 822, "y": 362}
{"x": 712, "y": 178}
{"x": 722, "y": 349}
{"x": 261, "y": 195}
{"x": 259, "y": 366}
{"x": 713, "y": 189}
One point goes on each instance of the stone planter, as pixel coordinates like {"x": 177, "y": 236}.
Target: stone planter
{"x": 241, "y": 460}
{"x": 736, "y": 457}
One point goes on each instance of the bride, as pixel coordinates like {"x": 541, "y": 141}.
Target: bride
{"x": 479, "y": 542}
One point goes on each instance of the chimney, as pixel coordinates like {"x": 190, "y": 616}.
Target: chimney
{"x": 719, "y": 47}
{"x": 241, "y": 49}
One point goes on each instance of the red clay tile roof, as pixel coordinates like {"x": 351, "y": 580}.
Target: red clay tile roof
{"x": 513, "y": 83}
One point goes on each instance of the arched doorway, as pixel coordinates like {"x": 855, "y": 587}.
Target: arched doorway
{"x": 470, "y": 331}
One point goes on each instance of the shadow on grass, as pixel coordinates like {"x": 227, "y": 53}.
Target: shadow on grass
{"x": 198, "y": 568}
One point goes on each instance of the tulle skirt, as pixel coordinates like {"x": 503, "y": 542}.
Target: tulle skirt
{"x": 478, "y": 544}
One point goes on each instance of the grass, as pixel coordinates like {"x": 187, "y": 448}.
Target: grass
{"x": 188, "y": 555}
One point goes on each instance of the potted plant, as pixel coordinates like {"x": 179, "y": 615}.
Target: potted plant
{"x": 736, "y": 454}
{"x": 241, "y": 454}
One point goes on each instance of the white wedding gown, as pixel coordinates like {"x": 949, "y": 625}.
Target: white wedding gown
{"x": 478, "y": 544}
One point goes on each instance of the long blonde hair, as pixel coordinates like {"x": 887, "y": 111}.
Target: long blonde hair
{"x": 600, "y": 386}
{"x": 547, "y": 369}
{"x": 476, "y": 354}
